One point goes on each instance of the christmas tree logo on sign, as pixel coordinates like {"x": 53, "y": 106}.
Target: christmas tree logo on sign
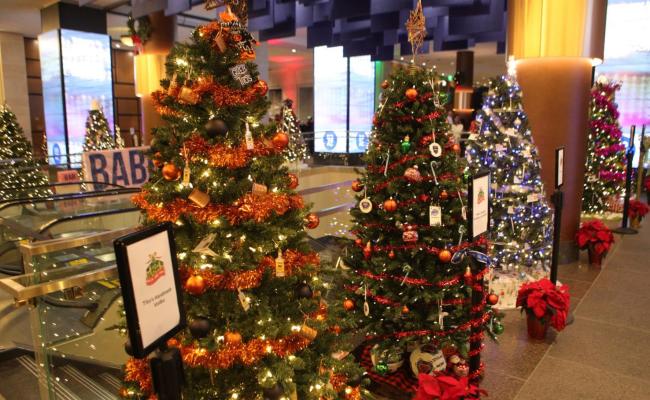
{"x": 155, "y": 269}
{"x": 481, "y": 196}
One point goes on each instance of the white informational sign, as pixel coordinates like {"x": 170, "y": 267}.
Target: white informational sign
{"x": 480, "y": 197}
{"x": 559, "y": 167}
{"x": 151, "y": 287}
{"x": 127, "y": 167}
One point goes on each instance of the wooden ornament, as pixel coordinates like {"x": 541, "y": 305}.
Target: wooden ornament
{"x": 199, "y": 198}
{"x": 308, "y": 332}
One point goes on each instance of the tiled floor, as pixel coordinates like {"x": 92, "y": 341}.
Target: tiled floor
{"x": 604, "y": 354}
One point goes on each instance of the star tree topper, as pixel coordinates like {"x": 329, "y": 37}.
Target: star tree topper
{"x": 415, "y": 26}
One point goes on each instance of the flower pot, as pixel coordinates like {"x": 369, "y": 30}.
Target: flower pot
{"x": 635, "y": 222}
{"x": 536, "y": 328}
{"x": 595, "y": 259}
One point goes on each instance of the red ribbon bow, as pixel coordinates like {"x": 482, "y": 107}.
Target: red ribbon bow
{"x": 446, "y": 388}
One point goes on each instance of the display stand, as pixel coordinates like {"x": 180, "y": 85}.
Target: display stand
{"x": 558, "y": 202}
{"x": 479, "y": 223}
{"x": 151, "y": 289}
{"x": 624, "y": 229}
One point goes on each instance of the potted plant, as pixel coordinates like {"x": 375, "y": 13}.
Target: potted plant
{"x": 636, "y": 212}
{"x": 545, "y": 304}
{"x": 597, "y": 238}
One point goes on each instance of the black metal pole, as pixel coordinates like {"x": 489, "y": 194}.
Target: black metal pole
{"x": 558, "y": 201}
{"x": 476, "y": 313}
{"x": 624, "y": 229}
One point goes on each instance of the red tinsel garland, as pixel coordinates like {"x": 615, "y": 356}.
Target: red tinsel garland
{"x": 419, "y": 282}
{"x": 430, "y": 249}
{"x": 250, "y": 207}
{"x": 448, "y": 176}
{"x": 244, "y": 280}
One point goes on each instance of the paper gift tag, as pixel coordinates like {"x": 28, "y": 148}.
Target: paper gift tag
{"x": 511, "y": 210}
{"x": 186, "y": 175}
{"x": 531, "y": 198}
{"x": 365, "y": 205}
{"x": 243, "y": 300}
{"x": 279, "y": 265}
{"x": 248, "y": 136}
{"x": 435, "y": 215}
{"x": 499, "y": 147}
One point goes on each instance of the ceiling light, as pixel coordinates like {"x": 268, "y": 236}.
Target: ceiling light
{"x": 401, "y": 58}
{"x": 293, "y": 50}
{"x": 117, "y": 45}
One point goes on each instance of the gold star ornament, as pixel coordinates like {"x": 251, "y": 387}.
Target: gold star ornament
{"x": 415, "y": 26}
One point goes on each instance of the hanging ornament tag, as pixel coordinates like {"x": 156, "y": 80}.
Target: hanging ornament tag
{"x": 199, "y": 198}
{"x": 531, "y": 198}
{"x": 173, "y": 86}
{"x": 435, "y": 215}
{"x": 516, "y": 179}
{"x": 220, "y": 43}
{"x": 526, "y": 153}
{"x": 499, "y": 148}
{"x": 366, "y": 306}
{"x": 186, "y": 175}
{"x": 511, "y": 210}
{"x": 463, "y": 212}
{"x": 243, "y": 300}
{"x": 187, "y": 95}
{"x": 248, "y": 136}
{"x": 441, "y": 316}
{"x": 512, "y": 225}
{"x": 365, "y": 205}
{"x": 259, "y": 189}
{"x": 435, "y": 149}
{"x": 240, "y": 73}
{"x": 279, "y": 265}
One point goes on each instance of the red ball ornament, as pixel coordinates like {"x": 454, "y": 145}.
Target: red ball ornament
{"x": 357, "y": 186}
{"x": 358, "y": 242}
{"x": 444, "y": 256}
{"x": 424, "y": 197}
{"x": 444, "y": 195}
{"x": 413, "y": 175}
{"x": 171, "y": 172}
{"x": 261, "y": 87}
{"x": 385, "y": 85}
{"x": 390, "y": 205}
{"x": 405, "y": 310}
{"x": 312, "y": 221}
{"x": 391, "y": 255}
{"x": 367, "y": 251}
{"x": 280, "y": 140}
{"x": 456, "y": 148}
{"x": 293, "y": 181}
{"x": 492, "y": 299}
{"x": 348, "y": 304}
{"x": 468, "y": 277}
{"x": 195, "y": 285}
{"x": 411, "y": 94}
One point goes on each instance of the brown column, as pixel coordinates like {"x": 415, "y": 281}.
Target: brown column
{"x": 160, "y": 43}
{"x": 556, "y": 100}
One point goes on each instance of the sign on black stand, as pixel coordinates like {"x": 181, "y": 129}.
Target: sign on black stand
{"x": 558, "y": 201}
{"x": 479, "y": 224}
{"x": 151, "y": 289}
{"x": 624, "y": 229}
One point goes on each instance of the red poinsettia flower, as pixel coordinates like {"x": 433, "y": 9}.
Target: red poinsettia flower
{"x": 545, "y": 300}
{"x": 596, "y": 235}
{"x": 637, "y": 209}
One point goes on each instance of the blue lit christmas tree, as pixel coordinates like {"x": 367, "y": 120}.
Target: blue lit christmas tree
{"x": 521, "y": 219}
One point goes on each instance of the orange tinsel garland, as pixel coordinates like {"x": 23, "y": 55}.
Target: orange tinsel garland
{"x": 138, "y": 371}
{"x": 245, "y": 280}
{"x": 247, "y": 353}
{"x": 249, "y": 207}
{"x": 224, "y": 156}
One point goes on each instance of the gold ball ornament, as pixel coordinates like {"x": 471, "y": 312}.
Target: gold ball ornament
{"x": 171, "y": 172}
{"x": 293, "y": 181}
{"x": 348, "y": 304}
{"x": 385, "y": 85}
{"x": 232, "y": 337}
{"x": 195, "y": 285}
{"x": 456, "y": 148}
{"x": 357, "y": 186}
{"x": 411, "y": 94}
{"x": 280, "y": 140}
{"x": 261, "y": 87}
{"x": 312, "y": 221}
{"x": 390, "y": 205}
{"x": 444, "y": 256}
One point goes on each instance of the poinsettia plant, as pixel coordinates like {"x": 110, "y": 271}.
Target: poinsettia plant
{"x": 545, "y": 301}
{"x": 444, "y": 387}
{"x": 595, "y": 235}
{"x": 638, "y": 209}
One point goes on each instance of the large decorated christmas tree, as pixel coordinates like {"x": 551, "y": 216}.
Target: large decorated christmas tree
{"x": 605, "y": 166}
{"x": 521, "y": 230}
{"x": 297, "y": 149}
{"x": 412, "y": 271}
{"x": 21, "y": 175}
{"x": 258, "y": 327}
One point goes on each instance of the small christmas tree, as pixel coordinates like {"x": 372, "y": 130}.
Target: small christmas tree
{"x": 98, "y": 135}
{"x": 605, "y": 166}
{"x": 297, "y": 150}
{"x": 21, "y": 175}
{"x": 258, "y": 327}
{"x": 522, "y": 228}
{"x": 405, "y": 291}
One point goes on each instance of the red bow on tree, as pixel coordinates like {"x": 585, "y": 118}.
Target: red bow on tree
{"x": 446, "y": 388}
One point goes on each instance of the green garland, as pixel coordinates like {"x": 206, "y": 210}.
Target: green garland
{"x": 143, "y": 30}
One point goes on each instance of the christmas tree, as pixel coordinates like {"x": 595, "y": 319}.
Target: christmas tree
{"x": 258, "y": 327}
{"x": 412, "y": 277}
{"x": 297, "y": 150}
{"x": 521, "y": 229}
{"x": 22, "y": 176}
{"x": 605, "y": 166}
{"x": 98, "y": 135}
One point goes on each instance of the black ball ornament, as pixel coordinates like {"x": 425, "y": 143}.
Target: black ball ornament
{"x": 199, "y": 328}
{"x": 303, "y": 291}
{"x": 355, "y": 380}
{"x": 273, "y": 393}
{"x": 215, "y": 127}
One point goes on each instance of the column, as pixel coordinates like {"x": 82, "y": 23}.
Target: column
{"x": 555, "y": 44}
{"x": 13, "y": 78}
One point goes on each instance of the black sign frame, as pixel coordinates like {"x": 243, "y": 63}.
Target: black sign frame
{"x": 559, "y": 169}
